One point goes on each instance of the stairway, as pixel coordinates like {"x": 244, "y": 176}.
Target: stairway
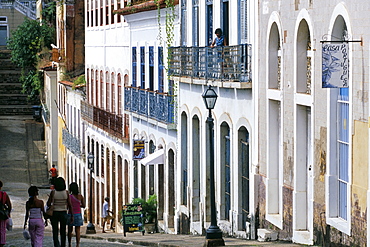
{"x": 12, "y": 100}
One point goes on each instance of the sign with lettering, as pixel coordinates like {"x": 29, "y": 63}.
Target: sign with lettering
{"x": 139, "y": 150}
{"x": 335, "y": 65}
{"x": 132, "y": 218}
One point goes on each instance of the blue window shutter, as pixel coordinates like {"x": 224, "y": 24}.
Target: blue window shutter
{"x": 160, "y": 70}
{"x": 134, "y": 66}
{"x": 142, "y": 65}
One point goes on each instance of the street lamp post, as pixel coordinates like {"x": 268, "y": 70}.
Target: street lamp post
{"x": 90, "y": 229}
{"x": 213, "y": 233}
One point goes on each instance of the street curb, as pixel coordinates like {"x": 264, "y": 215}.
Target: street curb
{"x": 136, "y": 242}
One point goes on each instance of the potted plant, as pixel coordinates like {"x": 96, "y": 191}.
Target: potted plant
{"x": 149, "y": 212}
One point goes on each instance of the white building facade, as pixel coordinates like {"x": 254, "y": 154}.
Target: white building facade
{"x": 313, "y": 141}
{"x": 229, "y": 70}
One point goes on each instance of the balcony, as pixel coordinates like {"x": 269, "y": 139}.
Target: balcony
{"x": 154, "y": 105}
{"x": 114, "y": 125}
{"x": 71, "y": 142}
{"x": 230, "y": 66}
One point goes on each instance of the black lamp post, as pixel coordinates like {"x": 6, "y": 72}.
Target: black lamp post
{"x": 90, "y": 229}
{"x": 213, "y": 233}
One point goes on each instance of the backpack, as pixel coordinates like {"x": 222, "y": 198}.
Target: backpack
{"x": 4, "y": 212}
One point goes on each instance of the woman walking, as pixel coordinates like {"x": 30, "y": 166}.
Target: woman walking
{"x": 34, "y": 216}
{"x": 4, "y": 198}
{"x": 61, "y": 201}
{"x": 78, "y": 202}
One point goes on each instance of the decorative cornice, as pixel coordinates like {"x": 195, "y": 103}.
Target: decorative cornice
{"x": 145, "y": 6}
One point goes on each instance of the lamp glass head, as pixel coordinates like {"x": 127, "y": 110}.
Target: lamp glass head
{"x": 210, "y": 97}
{"x": 90, "y": 159}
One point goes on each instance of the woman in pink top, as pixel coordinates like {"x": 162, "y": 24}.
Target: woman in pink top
{"x": 78, "y": 202}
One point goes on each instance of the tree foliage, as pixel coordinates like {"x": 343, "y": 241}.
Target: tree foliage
{"x": 26, "y": 44}
{"x": 28, "y": 40}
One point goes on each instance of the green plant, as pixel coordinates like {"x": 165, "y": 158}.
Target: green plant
{"x": 149, "y": 208}
{"x": 32, "y": 84}
{"x": 26, "y": 44}
{"x": 28, "y": 40}
{"x": 79, "y": 81}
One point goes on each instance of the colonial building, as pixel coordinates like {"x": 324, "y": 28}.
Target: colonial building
{"x": 229, "y": 70}
{"x": 129, "y": 108}
{"x": 290, "y": 133}
{"x": 313, "y": 137}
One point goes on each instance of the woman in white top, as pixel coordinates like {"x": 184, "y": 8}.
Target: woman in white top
{"x": 61, "y": 201}
{"x": 34, "y": 216}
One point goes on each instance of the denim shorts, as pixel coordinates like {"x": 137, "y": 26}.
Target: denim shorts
{"x": 77, "y": 220}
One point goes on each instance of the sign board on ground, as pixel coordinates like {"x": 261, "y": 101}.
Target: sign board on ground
{"x": 132, "y": 218}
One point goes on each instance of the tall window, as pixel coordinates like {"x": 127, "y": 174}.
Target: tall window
{"x": 134, "y": 66}
{"x": 96, "y": 91}
{"x": 88, "y": 13}
{"x": 225, "y": 19}
{"x": 343, "y": 151}
{"x": 142, "y": 67}
{"x": 102, "y": 160}
{"x": 195, "y": 22}
{"x": 107, "y": 90}
{"x": 151, "y": 68}
{"x": 101, "y": 90}
{"x": 243, "y": 22}
{"x": 89, "y": 84}
{"x": 113, "y": 87}
{"x": 209, "y": 22}
{"x": 184, "y": 158}
{"x": 160, "y": 70}
{"x": 183, "y": 23}
{"x": 119, "y": 89}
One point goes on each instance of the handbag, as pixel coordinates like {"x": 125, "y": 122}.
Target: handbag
{"x": 26, "y": 234}
{"x": 4, "y": 212}
{"x": 9, "y": 224}
{"x": 49, "y": 210}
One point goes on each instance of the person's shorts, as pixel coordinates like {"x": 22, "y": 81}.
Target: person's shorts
{"x": 77, "y": 220}
{"x": 109, "y": 217}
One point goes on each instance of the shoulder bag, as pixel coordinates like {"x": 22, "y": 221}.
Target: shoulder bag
{"x": 49, "y": 211}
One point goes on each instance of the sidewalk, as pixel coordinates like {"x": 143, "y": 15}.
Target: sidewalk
{"x": 172, "y": 240}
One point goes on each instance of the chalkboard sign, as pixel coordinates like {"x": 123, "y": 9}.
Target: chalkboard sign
{"x": 132, "y": 218}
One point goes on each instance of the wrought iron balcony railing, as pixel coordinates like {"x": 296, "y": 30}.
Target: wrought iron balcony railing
{"x": 113, "y": 124}
{"x": 158, "y": 106}
{"x": 71, "y": 142}
{"x": 225, "y": 63}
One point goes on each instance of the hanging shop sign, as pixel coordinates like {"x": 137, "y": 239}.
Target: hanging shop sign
{"x": 335, "y": 65}
{"x": 139, "y": 150}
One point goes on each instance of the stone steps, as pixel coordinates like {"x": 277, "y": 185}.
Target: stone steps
{"x": 12, "y": 101}
{"x": 6, "y": 110}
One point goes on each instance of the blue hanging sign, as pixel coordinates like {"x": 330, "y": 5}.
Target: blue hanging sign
{"x": 335, "y": 65}
{"x": 139, "y": 150}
